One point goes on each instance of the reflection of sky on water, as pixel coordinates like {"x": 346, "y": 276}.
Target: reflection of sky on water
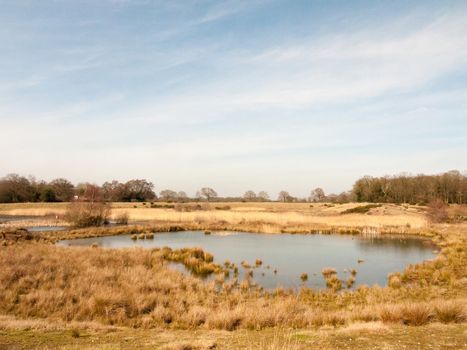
{"x": 290, "y": 254}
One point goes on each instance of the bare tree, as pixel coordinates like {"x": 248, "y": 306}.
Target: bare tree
{"x": 263, "y": 195}
{"x": 450, "y": 187}
{"x": 182, "y": 196}
{"x": 168, "y": 195}
{"x": 249, "y": 195}
{"x": 317, "y": 195}
{"x": 113, "y": 191}
{"x": 284, "y": 196}
{"x": 206, "y": 192}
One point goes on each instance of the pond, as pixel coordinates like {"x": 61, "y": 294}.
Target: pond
{"x": 286, "y": 256}
{"x": 46, "y": 228}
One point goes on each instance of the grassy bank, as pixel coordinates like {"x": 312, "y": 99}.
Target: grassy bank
{"x": 20, "y": 334}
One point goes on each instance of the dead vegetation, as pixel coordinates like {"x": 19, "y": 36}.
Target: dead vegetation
{"x": 134, "y": 287}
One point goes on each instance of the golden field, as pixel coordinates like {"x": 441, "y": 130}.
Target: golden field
{"x": 276, "y": 216}
{"x": 130, "y": 299}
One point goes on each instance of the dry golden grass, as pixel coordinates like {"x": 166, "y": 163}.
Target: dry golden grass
{"x": 272, "y": 216}
{"x": 134, "y": 287}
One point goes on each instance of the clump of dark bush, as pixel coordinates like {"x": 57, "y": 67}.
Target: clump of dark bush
{"x": 362, "y": 209}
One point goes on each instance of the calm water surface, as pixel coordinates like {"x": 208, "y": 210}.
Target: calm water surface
{"x": 289, "y": 254}
{"x": 46, "y": 228}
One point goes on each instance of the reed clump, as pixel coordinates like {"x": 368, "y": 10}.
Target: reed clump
{"x": 197, "y": 261}
{"x": 451, "y": 311}
{"x": 350, "y": 281}
{"x": 328, "y": 272}
{"x": 245, "y": 264}
{"x": 122, "y": 218}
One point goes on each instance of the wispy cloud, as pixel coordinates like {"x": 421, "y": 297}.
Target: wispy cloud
{"x": 222, "y": 91}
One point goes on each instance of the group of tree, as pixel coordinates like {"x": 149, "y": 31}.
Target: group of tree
{"x": 15, "y": 188}
{"x": 251, "y": 196}
{"x": 449, "y": 187}
{"x": 137, "y": 190}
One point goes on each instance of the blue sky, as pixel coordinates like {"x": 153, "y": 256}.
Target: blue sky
{"x": 237, "y": 95}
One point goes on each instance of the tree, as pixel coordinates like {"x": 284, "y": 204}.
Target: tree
{"x": 138, "y": 190}
{"x": 63, "y": 189}
{"x": 263, "y": 195}
{"x": 113, "y": 191}
{"x": 449, "y": 187}
{"x": 15, "y": 188}
{"x": 207, "y": 192}
{"x": 168, "y": 195}
{"x": 284, "y": 196}
{"x": 317, "y": 195}
{"x": 92, "y": 193}
{"x": 249, "y": 196}
{"x": 182, "y": 196}
{"x": 47, "y": 194}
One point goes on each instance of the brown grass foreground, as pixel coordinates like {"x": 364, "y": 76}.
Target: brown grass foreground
{"x": 134, "y": 288}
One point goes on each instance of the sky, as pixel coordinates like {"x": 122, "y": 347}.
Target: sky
{"x": 236, "y": 95}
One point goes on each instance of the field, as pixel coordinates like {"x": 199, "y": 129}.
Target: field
{"x": 96, "y": 298}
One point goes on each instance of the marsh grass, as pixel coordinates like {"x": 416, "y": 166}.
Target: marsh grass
{"x": 134, "y": 287}
{"x": 451, "y": 311}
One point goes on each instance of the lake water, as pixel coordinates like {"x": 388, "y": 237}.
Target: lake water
{"x": 46, "y": 228}
{"x": 290, "y": 254}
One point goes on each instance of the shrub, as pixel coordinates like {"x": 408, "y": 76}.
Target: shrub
{"x": 416, "y": 314}
{"x": 437, "y": 211}
{"x": 122, "y": 219}
{"x": 85, "y": 214}
{"x": 362, "y": 209}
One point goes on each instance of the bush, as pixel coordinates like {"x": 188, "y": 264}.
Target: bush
{"x": 362, "y": 209}
{"x": 437, "y": 211}
{"x": 122, "y": 219}
{"x": 85, "y": 214}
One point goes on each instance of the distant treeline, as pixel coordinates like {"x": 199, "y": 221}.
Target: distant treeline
{"x": 15, "y": 188}
{"x": 450, "y": 187}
